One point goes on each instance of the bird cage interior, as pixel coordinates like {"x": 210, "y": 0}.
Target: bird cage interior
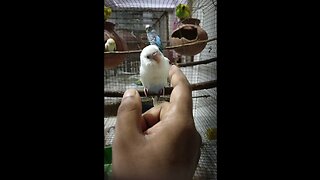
{"x": 188, "y": 43}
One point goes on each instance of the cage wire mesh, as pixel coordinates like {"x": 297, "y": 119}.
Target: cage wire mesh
{"x": 130, "y": 17}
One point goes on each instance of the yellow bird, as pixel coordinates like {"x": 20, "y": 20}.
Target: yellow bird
{"x": 107, "y": 13}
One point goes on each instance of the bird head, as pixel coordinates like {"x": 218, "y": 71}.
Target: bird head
{"x": 110, "y": 45}
{"x": 111, "y": 41}
{"x": 148, "y": 28}
{"x": 183, "y": 6}
{"x": 107, "y": 12}
{"x": 151, "y": 54}
{"x": 183, "y": 11}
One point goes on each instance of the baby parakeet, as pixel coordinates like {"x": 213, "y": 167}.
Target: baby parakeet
{"x": 107, "y": 13}
{"x": 154, "y": 71}
{"x": 183, "y": 11}
{"x": 110, "y": 45}
{"x": 153, "y": 37}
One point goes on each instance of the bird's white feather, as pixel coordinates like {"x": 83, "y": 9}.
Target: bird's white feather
{"x": 153, "y": 74}
{"x": 110, "y": 45}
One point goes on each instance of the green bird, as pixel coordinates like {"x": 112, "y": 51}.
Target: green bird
{"x": 183, "y": 11}
{"x": 107, "y": 12}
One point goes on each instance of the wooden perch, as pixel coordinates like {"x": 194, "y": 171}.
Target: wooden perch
{"x": 168, "y": 90}
{"x": 168, "y": 47}
{"x": 196, "y": 62}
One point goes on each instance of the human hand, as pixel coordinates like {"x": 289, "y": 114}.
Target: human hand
{"x": 162, "y": 143}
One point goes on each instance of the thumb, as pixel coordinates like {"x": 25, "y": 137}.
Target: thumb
{"x": 128, "y": 126}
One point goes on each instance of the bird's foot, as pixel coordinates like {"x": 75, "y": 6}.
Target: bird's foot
{"x": 155, "y": 101}
{"x": 162, "y": 92}
{"x": 145, "y": 92}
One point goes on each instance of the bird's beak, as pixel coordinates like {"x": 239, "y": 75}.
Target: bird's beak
{"x": 156, "y": 57}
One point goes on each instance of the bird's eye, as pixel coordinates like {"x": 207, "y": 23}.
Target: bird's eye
{"x": 148, "y": 57}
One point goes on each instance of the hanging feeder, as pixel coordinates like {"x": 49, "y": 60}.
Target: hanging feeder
{"x": 113, "y": 60}
{"x": 189, "y": 31}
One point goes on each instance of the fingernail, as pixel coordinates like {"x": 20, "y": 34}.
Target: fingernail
{"x": 130, "y": 92}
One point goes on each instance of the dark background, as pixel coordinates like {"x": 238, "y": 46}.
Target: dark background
{"x": 52, "y": 105}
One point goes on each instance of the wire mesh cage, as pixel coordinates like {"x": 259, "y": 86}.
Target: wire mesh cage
{"x": 130, "y": 18}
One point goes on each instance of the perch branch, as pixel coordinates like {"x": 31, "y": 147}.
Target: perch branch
{"x": 168, "y": 47}
{"x": 124, "y": 52}
{"x": 168, "y": 90}
{"x": 197, "y": 62}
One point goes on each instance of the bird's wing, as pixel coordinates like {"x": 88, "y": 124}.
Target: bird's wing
{"x": 158, "y": 40}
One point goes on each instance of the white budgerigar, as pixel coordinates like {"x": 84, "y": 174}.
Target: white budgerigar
{"x": 154, "y": 71}
{"x": 110, "y": 45}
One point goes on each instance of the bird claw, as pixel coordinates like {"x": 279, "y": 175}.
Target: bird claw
{"x": 145, "y": 92}
{"x": 162, "y": 91}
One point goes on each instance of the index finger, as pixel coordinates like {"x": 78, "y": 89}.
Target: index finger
{"x": 181, "y": 93}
